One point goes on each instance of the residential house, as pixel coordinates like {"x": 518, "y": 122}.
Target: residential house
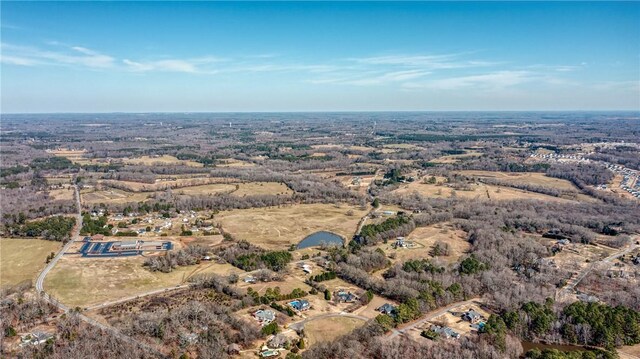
{"x": 345, "y": 297}
{"x": 472, "y": 316}
{"x": 265, "y": 317}
{"x": 386, "y": 308}
{"x": 300, "y": 305}
{"x": 445, "y": 332}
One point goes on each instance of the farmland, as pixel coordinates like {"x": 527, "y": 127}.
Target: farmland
{"x": 22, "y": 259}
{"x": 82, "y": 282}
{"x": 278, "y": 228}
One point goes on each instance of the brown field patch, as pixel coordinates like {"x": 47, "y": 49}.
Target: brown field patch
{"x": 112, "y": 195}
{"x": 77, "y": 281}
{"x": 525, "y": 178}
{"x": 61, "y": 194}
{"x": 425, "y": 238}
{"x": 280, "y": 227}
{"x": 478, "y": 192}
{"x": 160, "y": 160}
{"x": 22, "y": 259}
{"x": 329, "y": 329}
{"x": 456, "y": 158}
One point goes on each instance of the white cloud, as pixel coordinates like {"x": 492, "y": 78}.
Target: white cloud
{"x": 489, "y": 81}
{"x": 80, "y": 56}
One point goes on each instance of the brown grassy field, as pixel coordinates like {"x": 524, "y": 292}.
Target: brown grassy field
{"x": 525, "y": 178}
{"x": 456, "y": 158}
{"x": 78, "y": 281}
{"x": 328, "y": 329}
{"x": 478, "y": 191}
{"x": 61, "y": 194}
{"x": 161, "y": 160}
{"x": 279, "y": 227}
{"x": 22, "y": 259}
{"x": 425, "y": 238}
{"x": 92, "y": 196}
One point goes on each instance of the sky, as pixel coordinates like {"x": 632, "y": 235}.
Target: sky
{"x": 318, "y": 56}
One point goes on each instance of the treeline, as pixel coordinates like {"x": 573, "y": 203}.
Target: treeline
{"x": 172, "y": 259}
{"x": 391, "y": 227}
{"x": 248, "y": 257}
{"x": 57, "y": 228}
{"x": 273, "y": 295}
{"x": 92, "y": 226}
{"x": 549, "y": 191}
{"x": 324, "y": 276}
{"x": 593, "y": 324}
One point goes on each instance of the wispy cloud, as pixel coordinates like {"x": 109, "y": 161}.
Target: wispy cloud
{"x": 79, "y": 56}
{"x": 487, "y": 81}
{"x": 193, "y": 66}
{"x": 445, "y": 72}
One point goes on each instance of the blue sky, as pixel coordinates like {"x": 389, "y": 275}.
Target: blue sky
{"x": 358, "y": 56}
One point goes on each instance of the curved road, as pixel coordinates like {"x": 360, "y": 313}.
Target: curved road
{"x": 75, "y": 236}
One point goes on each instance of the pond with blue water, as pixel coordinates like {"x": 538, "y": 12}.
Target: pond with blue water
{"x": 320, "y": 238}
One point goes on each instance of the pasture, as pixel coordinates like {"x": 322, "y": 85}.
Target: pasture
{"x": 164, "y": 160}
{"x": 82, "y": 282}
{"x": 476, "y": 191}
{"x": 279, "y": 227}
{"x": 22, "y": 259}
{"x": 329, "y": 329}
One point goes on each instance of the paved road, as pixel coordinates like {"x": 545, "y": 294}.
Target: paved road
{"x": 300, "y": 325}
{"x": 75, "y": 236}
{"x": 431, "y": 316}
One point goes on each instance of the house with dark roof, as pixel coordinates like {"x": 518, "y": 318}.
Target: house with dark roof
{"x": 386, "y": 308}
{"x": 300, "y": 305}
{"x": 345, "y": 297}
{"x": 472, "y": 316}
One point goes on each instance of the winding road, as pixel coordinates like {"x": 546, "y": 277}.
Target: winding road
{"x": 75, "y": 236}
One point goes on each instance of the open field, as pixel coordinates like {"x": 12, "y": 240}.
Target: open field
{"x": 456, "y": 158}
{"x": 61, "y": 194}
{"x": 279, "y": 227}
{"x": 328, "y": 329}
{"x": 629, "y": 351}
{"x": 93, "y": 196}
{"x": 160, "y": 160}
{"x": 238, "y": 189}
{"x": 81, "y": 282}
{"x": 478, "y": 191}
{"x": 22, "y": 259}
{"x": 425, "y": 238}
{"x": 165, "y": 183}
{"x": 525, "y": 178}
{"x": 261, "y": 188}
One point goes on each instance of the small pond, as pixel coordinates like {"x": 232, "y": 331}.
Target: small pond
{"x": 320, "y": 238}
{"x": 561, "y": 347}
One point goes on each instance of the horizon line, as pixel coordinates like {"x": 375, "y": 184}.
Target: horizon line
{"x": 311, "y": 111}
